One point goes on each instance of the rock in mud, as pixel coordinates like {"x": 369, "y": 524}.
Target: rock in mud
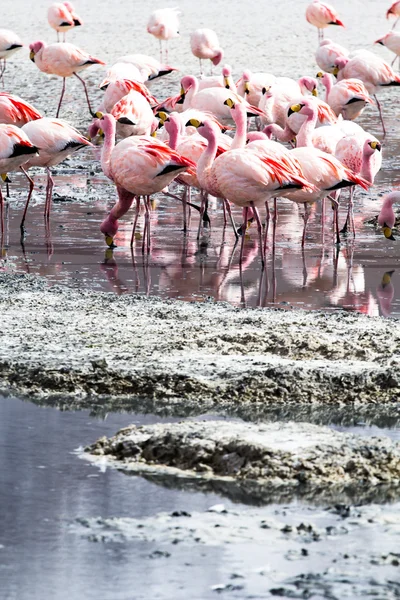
{"x": 273, "y": 454}
{"x": 60, "y": 342}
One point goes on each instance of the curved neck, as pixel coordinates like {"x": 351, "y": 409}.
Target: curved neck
{"x": 192, "y": 91}
{"x": 174, "y": 134}
{"x": 240, "y": 118}
{"x": 327, "y": 81}
{"x": 367, "y": 169}
{"x": 108, "y": 147}
{"x": 304, "y": 137}
{"x": 207, "y": 158}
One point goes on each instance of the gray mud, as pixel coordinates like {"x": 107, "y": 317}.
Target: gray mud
{"x": 58, "y": 341}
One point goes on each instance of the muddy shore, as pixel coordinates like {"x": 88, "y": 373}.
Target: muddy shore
{"x": 59, "y": 341}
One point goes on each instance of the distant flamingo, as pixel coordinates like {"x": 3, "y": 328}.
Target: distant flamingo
{"x": 392, "y": 41}
{"x": 348, "y": 97}
{"x": 394, "y": 10}
{"x": 386, "y": 217}
{"x": 15, "y": 150}
{"x": 373, "y": 71}
{"x": 321, "y": 15}
{"x": 9, "y": 44}
{"x": 15, "y": 111}
{"x": 139, "y": 166}
{"x": 56, "y": 140}
{"x": 63, "y": 60}
{"x": 150, "y": 67}
{"x": 164, "y": 25}
{"x": 205, "y": 46}
{"x": 327, "y": 53}
{"x": 62, "y": 17}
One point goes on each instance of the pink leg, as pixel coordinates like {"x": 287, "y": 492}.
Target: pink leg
{"x": 2, "y": 214}
{"x": 380, "y": 115}
{"x": 306, "y": 216}
{"x": 267, "y": 220}
{"x": 49, "y": 194}
{"x": 61, "y": 99}
{"x": 245, "y": 218}
{"x": 31, "y": 186}
{"x": 229, "y": 211}
{"x": 224, "y": 210}
{"x": 184, "y": 207}
{"x": 259, "y": 229}
{"x": 146, "y": 232}
{"x": 86, "y": 94}
{"x": 135, "y": 220}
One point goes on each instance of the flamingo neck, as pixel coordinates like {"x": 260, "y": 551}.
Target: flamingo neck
{"x": 174, "y": 136}
{"x": 108, "y": 147}
{"x": 367, "y": 171}
{"x": 327, "y": 81}
{"x": 277, "y": 132}
{"x": 240, "y": 118}
{"x": 207, "y": 158}
{"x": 304, "y": 137}
{"x": 189, "y": 95}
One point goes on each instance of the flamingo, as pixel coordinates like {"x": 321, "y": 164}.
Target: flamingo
{"x": 394, "y": 10}
{"x": 373, "y": 71}
{"x": 224, "y": 80}
{"x": 118, "y": 89}
{"x": 15, "y": 150}
{"x": 348, "y": 97}
{"x": 15, "y": 111}
{"x": 386, "y": 217}
{"x": 120, "y": 71}
{"x": 134, "y": 115}
{"x": 327, "y": 53}
{"x": 321, "y": 14}
{"x": 56, "y": 140}
{"x": 62, "y": 17}
{"x": 392, "y": 41}
{"x": 139, "y": 166}
{"x": 251, "y": 85}
{"x": 63, "y": 60}
{"x": 284, "y": 91}
{"x": 211, "y": 99}
{"x": 385, "y": 294}
{"x": 149, "y": 67}
{"x": 164, "y": 25}
{"x": 9, "y": 45}
{"x": 205, "y": 46}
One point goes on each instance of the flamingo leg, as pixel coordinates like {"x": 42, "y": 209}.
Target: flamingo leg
{"x": 267, "y": 220}
{"x": 380, "y": 114}
{"x": 184, "y": 208}
{"x": 202, "y": 211}
{"x": 229, "y": 211}
{"x": 201, "y": 68}
{"x": 135, "y": 220}
{"x": 49, "y": 194}
{"x": 245, "y": 219}
{"x": 259, "y": 229}
{"x": 335, "y": 206}
{"x": 61, "y": 98}
{"x": 148, "y": 225}
{"x": 2, "y": 215}
{"x": 86, "y": 94}
{"x": 31, "y": 186}
{"x": 395, "y": 23}
{"x": 306, "y": 217}
{"x": 224, "y": 211}
{"x": 7, "y": 189}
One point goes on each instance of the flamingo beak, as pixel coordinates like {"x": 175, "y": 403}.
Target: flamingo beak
{"x": 387, "y": 278}
{"x": 375, "y": 146}
{"x": 379, "y": 42}
{"x": 110, "y": 241}
{"x": 320, "y": 74}
{"x": 247, "y": 88}
{"x": 226, "y": 83}
{"x": 294, "y": 109}
{"x": 387, "y": 232}
{"x": 32, "y": 55}
{"x": 315, "y": 92}
{"x": 229, "y": 102}
{"x": 194, "y": 123}
{"x": 335, "y": 71}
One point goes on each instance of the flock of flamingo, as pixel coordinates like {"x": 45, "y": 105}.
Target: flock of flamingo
{"x": 302, "y": 148}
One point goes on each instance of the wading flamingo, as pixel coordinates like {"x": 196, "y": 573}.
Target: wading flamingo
{"x": 118, "y": 89}
{"x": 321, "y": 15}
{"x": 15, "y": 150}
{"x": 348, "y": 97}
{"x": 164, "y": 25}
{"x": 15, "y": 111}
{"x": 387, "y": 218}
{"x": 63, "y": 60}
{"x": 9, "y": 44}
{"x": 56, "y": 140}
{"x": 139, "y": 166}
{"x": 392, "y": 41}
{"x": 205, "y": 46}
{"x": 373, "y": 71}
{"x": 327, "y": 53}
{"x": 62, "y": 17}
{"x": 395, "y": 11}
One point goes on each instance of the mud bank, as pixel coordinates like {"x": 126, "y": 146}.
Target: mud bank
{"x": 59, "y": 341}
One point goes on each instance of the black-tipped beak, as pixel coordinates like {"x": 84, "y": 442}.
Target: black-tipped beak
{"x": 290, "y": 112}
{"x": 378, "y": 147}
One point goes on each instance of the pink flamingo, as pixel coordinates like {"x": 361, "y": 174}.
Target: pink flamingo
{"x": 15, "y": 111}
{"x": 15, "y": 150}
{"x": 56, "y": 140}
{"x": 9, "y": 45}
{"x": 392, "y": 41}
{"x": 386, "y": 217}
{"x": 251, "y": 85}
{"x": 63, "y": 60}
{"x": 118, "y": 89}
{"x": 62, "y": 17}
{"x": 322, "y": 15}
{"x": 284, "y": 91}
{"x": 395, "y": 11}
{"x": 164, "y": 25}
{"x": 150, "y": 68}
{"x": 327, "y": 53}
{"x": 139, "y": 166}
{"x": 373, "y": 71}
{"x": 134, "y": 115}
{"x": 348, "y": 97}
{"x": 205, "y": 46}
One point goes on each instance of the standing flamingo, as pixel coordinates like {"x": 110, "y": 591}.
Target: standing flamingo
{"x": 15, "y": 150}
{"x": 62, "y": 17}
{"x": 392, "y": 41}
{"x": 205, "y": 46}
{"x": 321, "y": 15}
{"x": 394, "y": 10}
{"x": 63, "y": 60}
{"x": 9, "y": 44}
{"x": 139, "y": 166}
{"x": 348, "y": 97}
{"x": 56, "y": 140}
{"x": 327, "y": 53}
{"x": 386, "y": 217}
{"x": 164, "y": 25}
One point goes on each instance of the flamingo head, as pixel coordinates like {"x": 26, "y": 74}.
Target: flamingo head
{"x": 107, "y": 123}
{"x": 371, "y": 146}
{"x": 238, "y": 110}
{"x": 161, "y": 116}
{"x": 383, "y": 39}
{"x": 95, "y": 129}
{"x": 386, "y": 217}
{"x": 227, "y": 75}
{"x": 173, "y": 124}
{"x": 324, "y": 77}
{"x": 218, "y": 57}
{"x": 310, "y": 84}
{"x": 305, "y": 107}
{"x": 34, "y": 48}
{"x": 208, "y": 129}
{"x": 340, "y": 64}
{"x": 187, "y": 83}
{"x": 246, "y": 80}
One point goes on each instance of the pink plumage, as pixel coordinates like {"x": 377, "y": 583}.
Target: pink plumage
{"x": 15, "y": 111}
